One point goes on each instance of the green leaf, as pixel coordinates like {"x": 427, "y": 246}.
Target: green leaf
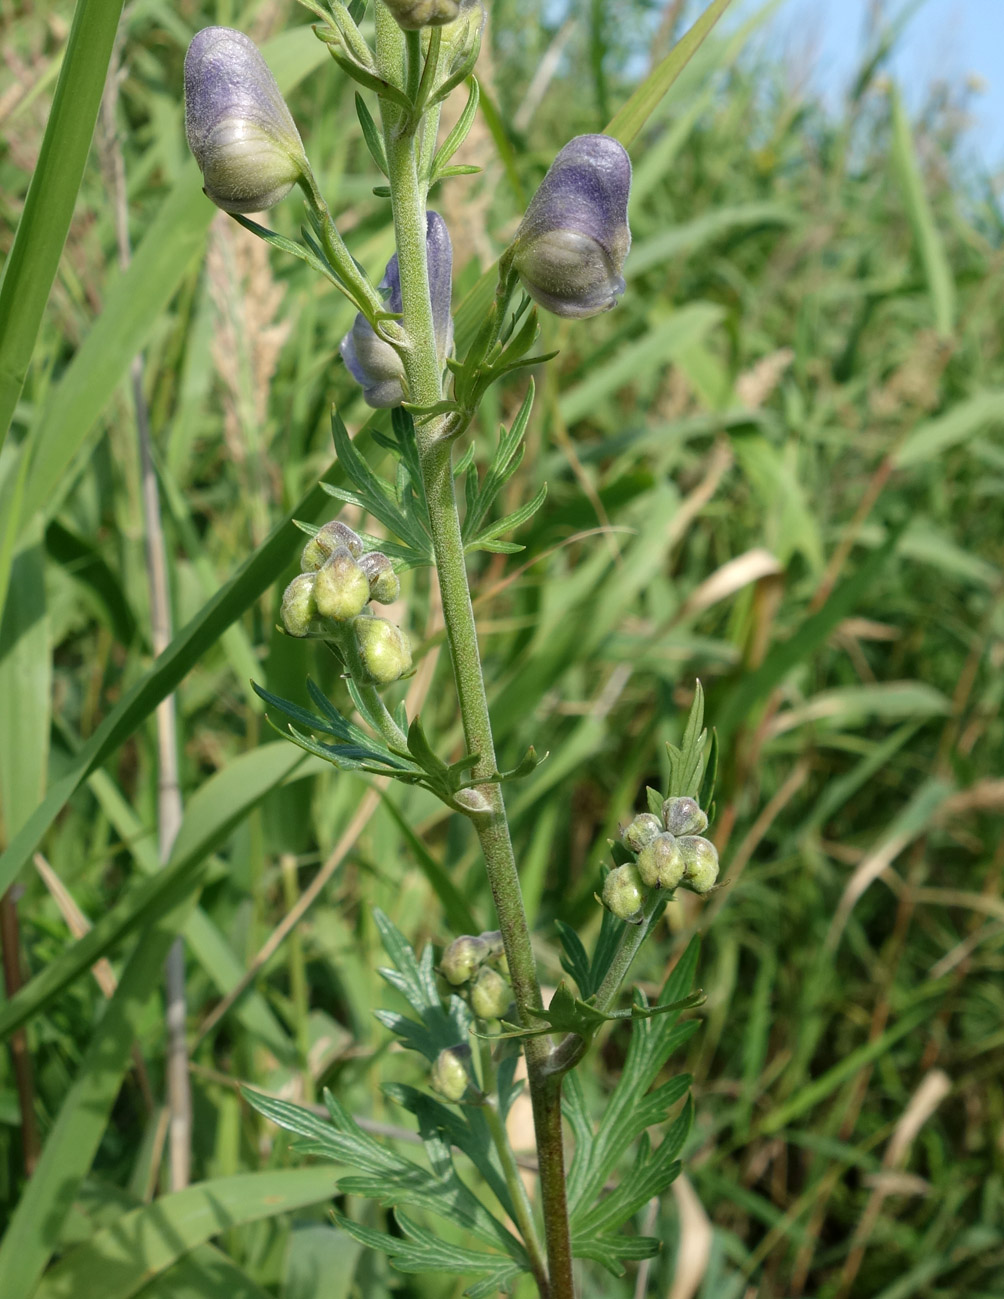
{"x": 84, "y": 1114}
{"x": 930, "y": 248}
{"x": 687, "y": 763}
{"x": 25, "y": 689}
{"x": 371, "y": 134}
{"x": 212, "y": 813}
{"x": 420, "y": 1251}
{"x": 814, "y": 631}
{"x": 458, "y": 914}
{"x": 435, "y": 1029}
{"x": 133, "y": 305}
{"x": 119, "y": 1261}
{"x": 33, "y": 259}
{"x": 632, "y": 1107}
{"x": 628, "y": 122}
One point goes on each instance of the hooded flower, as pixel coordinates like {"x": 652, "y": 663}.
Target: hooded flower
{"x": 238, "y": 126}
{"x": 570, "y": 247}
{"x": 374, "y": 363}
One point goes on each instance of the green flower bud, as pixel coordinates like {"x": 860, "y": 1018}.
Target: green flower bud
{"x": 660, "y": 863}
{"x": 642, "y": 831}
{"x": 683, "y": 816}
{"x": 700, "y": 857}
{"x": 414, "y": 14}
{"x": 238, "y": 126}
{"x": 624, "y": 894}
{"x": 326, "y": 541}
{"x": 384, "y": 648}
{"x": 341, "y": 588}
{"x": 385, "y": 585}
{"x": 490, "y": 994}
{"x": 299, "y": 608}
{"x": 448, "y": 1074}
{"x": 463, "y": 957}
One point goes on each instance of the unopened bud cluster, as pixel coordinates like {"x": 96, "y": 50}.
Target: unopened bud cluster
{"x": 471, "y": 963}
{"x": 336, "y": 586}
{"x": 671, "y": 853}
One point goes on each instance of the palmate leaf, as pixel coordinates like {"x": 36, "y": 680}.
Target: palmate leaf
{"x": 386, "y": 1176}
{"x": 417, "y": 1250}
{"x": 481, "y": 496}
{"x": 464, "y": 1128}
{"x": 435, "y": 1029}
{"x": 634, "y": 1106}
{"x": 356, "y": 749}
{"x": 400, "y": 507}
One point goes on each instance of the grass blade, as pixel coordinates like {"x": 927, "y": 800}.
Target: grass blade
{"x": 38, "y": 244}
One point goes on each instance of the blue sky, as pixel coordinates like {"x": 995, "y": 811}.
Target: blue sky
{"x": 948, "y": 39}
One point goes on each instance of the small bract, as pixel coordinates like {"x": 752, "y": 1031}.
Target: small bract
{"x": 570, "y": 247}
{"x": 372, "y": 362}
{"x": 238, "y": 126}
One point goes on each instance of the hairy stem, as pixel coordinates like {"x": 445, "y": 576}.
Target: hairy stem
{"x": 510, "y": 1169}
{"x": 424, "y": 376}
{"x": 571, "y": 1050}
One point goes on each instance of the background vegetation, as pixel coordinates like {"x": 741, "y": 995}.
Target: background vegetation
{"x": 777, "y": 466}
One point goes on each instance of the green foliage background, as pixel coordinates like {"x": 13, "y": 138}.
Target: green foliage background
{"x": 777, "y": 466}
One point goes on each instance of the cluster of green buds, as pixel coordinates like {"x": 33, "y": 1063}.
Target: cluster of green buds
{"x": 671, "y": 853}
{"x": 473, "y": 963}
{"x": 338, "y": 581}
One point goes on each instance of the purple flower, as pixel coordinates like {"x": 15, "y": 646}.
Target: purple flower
{"x": 374, "y": 363}
{"x": 237, "y": 123}
{"x": 570, "y": 247}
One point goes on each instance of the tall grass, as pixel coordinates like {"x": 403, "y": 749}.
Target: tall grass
{"x": 777, "y": 466}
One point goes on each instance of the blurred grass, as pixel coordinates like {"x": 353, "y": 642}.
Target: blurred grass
{"x": 778, "y": 466}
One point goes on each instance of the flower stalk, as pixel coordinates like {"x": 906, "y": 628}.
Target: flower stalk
{"x": 424, "y": 375}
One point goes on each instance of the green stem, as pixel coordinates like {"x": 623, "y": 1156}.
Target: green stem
{"x": 571, "y": 1050}
{"x": 424, "y": 374}
{"x": 510, "y": 1169}
{"x": 362, "y": 292}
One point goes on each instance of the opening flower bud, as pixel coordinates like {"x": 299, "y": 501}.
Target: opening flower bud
{"x": 448, "y": 1074}
{"x": 463, "y": 957}
{"x": 238, "y": 126}
{"x": 570, "y": 247}
{"x": 384, "y": 649}
{"x": 624, "y": 894}
{"x": 341, "y": 588}
{"x": 299, "y": 608}
{"x": 374, "y": 363}
{"x": 683, "y": 816}
{"x": 415, "y": 14}
{"x": 490, "y": 994}
{"x": 642, "y": 831}
{"x": 385, "y": 585}
{"x": 700, "y": 857}
{"x": 661, "y": 863}
{"x": 326, "y": 541}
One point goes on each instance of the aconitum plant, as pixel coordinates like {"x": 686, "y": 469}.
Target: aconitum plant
{"x": 478, "y": 1010}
